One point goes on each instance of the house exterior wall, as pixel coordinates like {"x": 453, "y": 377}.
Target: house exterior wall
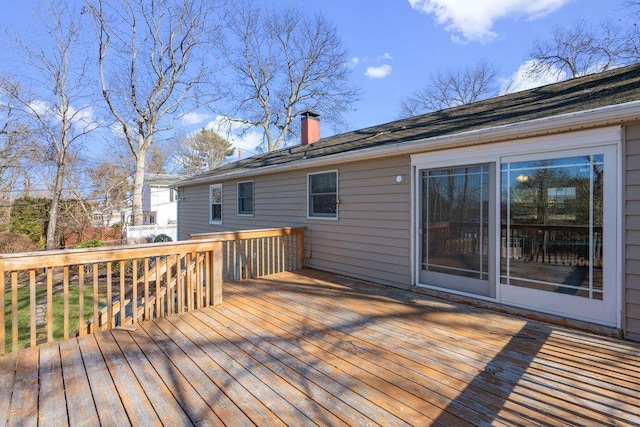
{"x": 370, "y": 239}
{"x": 632, "y": 233}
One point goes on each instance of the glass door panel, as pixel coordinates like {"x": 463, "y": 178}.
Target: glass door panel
{"x": 552, "y": 225}
{"x": 455, "y": 238}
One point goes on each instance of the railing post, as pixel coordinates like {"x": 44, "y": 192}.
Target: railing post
{"x": 215, "y": 272}
{"x": 300, "y": 249}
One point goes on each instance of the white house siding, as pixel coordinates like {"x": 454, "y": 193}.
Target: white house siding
{"x": 370, "y": 240}
{"x": 632, "y": 232}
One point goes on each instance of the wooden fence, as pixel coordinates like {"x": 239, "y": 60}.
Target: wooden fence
{"x": 56, "y": 294}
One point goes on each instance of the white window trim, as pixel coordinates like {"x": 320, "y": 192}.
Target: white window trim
{"x": 211, "y": 187}
{"x": 253, "y": 198}
{"x": 325, "y": 218}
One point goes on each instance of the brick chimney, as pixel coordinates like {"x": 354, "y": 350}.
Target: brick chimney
{"x": 310, "y": 128}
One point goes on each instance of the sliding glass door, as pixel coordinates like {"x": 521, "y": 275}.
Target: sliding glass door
{"x": 524, "y": 223}
{"x": 457, "y": 227}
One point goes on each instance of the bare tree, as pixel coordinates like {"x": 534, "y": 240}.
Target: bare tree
{"x": 579, "y": 50}
{"x": 202, "y": 151}
{"x": 153, "y": 64}
{"x": 283, "y": 64}
{"x": 14, "y": 139}
{"x": 632, "y": 34}
{"x": 450, "y": 88}
{"x": 57, "y": 103}
{"x": 14, "y": 144}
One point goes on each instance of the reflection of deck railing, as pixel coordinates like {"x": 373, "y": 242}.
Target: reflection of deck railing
{"x": 559, "y": 244}
{"x": 457, "y": 237}
{"x": 553, "y": 244}
{"x": 49, "y": 295}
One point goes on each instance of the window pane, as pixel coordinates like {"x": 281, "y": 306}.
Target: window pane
{"x": 323, "y": 195}
{"x": 245, "y": 206}
{"x": 323, "y": 205}
{"x": 456, "y": 221}
{"x": 245, "y": 189}
{"x": 216, "y": 195}
{"x": 323, "y": 183}
{"x": 245, "y": 198}
{"x": 216, "y": 212}
{"x": 552, "y": 225}
{"x": 216, "y": 203}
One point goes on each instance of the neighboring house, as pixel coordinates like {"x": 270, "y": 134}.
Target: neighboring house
{"x": 530, "y": 200}
{"x": 159, "y": 201}
{"x": 108, "y": 217}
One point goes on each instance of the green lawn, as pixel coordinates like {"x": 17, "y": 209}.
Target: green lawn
{"x": 24, "y": 334}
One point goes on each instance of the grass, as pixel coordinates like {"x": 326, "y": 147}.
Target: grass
{"x": 24, "y": 330}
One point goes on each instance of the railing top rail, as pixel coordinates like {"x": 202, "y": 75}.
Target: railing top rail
{"x": 31, "y": 260}
{"x": 249, "y": 234}
{"x": 200, "y": 242}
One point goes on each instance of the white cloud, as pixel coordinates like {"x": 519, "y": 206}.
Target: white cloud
{"x": 385, "y": 56}
{"x": 473, "y": 20}
{"x": 378, "y": 72}
{"x": 82, "y": 117}
{"x": 190, "y": 119}
{"x": 40, "y": 108}
{"x": 354, "y": 62}
{"x": 524, "y": 79}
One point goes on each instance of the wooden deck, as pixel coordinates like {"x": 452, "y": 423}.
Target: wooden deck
{"x": 310, "y": 348}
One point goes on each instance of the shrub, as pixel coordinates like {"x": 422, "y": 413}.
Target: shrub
{"x": 91, "y": 243}
{"x": 162, "y": 238}
{"x": 29, "y": 217}
{"x": 11, "y": 243}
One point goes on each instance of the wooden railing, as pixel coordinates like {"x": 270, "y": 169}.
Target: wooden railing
{"x": 255, "y": 253}
{"x": 57, "y": 294}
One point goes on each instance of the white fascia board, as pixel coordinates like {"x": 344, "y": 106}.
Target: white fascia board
{"x": 589, "y": 119}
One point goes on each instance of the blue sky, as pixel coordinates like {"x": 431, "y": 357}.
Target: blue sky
{"x": 411, "y": 44}
{"x": 394, "y": 45}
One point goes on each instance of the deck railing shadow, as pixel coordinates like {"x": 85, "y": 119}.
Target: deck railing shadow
{"x": 306, "y": 347}
{"x": 501, "y": 365}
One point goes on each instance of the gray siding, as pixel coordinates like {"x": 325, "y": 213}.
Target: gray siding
{"x": 632, "y": 234}
{"x": 370, "y": 240}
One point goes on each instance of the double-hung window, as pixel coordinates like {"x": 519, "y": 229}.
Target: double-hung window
{"x": 215, "y": 204}
{"x": 323, "y": 195}
{"x": 245, "y": 198}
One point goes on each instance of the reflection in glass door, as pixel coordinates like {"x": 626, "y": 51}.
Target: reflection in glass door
{"x": 552, "y": 225}
{"x": 457, "y": 228}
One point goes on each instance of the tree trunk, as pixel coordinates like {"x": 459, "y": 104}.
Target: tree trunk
{"x": 138, "y": 182}
{"x": 55, "y": 203}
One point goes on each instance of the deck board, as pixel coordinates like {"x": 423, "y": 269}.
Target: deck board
{"x": 82, "y": 407}
{"x": 24, "y": 401}
{"x": 134, "y": 400}
{"x": 309, "y": 348}
{"x": 110, "y": 409}
{"x": 192, "y": 402}
{"x": 7, "y": 380}
{"x": 52, "y": 401}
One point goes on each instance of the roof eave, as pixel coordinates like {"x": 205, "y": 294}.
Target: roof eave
{"x": 588, "y": 119}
